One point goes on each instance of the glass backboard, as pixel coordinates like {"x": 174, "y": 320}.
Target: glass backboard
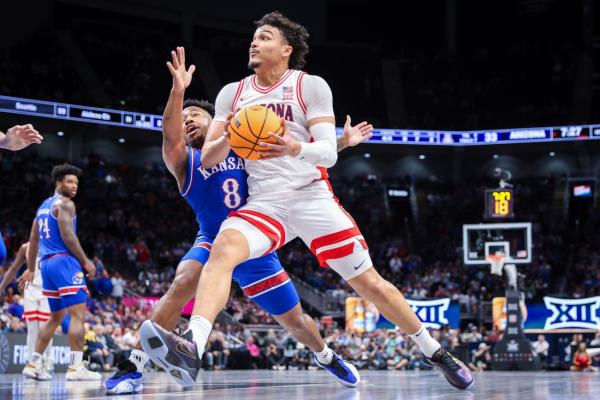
{"x": 512, "y": 240}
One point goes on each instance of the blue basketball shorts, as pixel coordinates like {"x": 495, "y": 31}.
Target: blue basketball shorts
{"x": 262, "y": 279}
{"x": 63, "y": 281}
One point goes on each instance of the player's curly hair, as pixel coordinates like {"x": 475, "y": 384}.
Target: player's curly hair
{"x": 295, "y": 34}
{"x": 203, "y": 104}
{"x": 60, "y": 171}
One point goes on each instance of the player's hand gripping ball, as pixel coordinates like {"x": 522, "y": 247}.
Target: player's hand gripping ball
{"x": 252, "y": 125}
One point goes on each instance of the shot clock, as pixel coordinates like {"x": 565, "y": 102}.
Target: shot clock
{"x": 499, "y": 203}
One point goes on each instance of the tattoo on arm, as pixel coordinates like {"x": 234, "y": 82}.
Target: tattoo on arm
{"x": 66, "y": 213}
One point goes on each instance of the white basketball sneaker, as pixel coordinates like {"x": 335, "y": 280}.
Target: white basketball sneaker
{"x": 81, "y": 373}
{"x": 44, "y": 375}
{"x": 38, "y": 372}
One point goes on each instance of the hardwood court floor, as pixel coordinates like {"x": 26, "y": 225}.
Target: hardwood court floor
{"x": 319, "y": 385}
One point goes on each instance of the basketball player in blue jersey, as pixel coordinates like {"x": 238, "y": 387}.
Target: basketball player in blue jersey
{"x": 54, "y": 233}
{"x": 214, "y": 193}
{"x": 17, "y": 138}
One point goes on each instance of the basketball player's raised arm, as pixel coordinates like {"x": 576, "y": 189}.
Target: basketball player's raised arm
{"x": 173, "y": 146}
{"x": 354, "y": 135}
{"x": 66, "y": 213}
{"x": 19, "y": 136}
{"x": 216, "y": 146}
{"x": 14, "y": 267}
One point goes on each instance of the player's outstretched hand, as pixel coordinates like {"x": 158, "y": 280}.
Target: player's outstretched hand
{"x": 25, "y": 280}
{"x": 356, "y": 134}
{"x": 285, "y": 145}
{"x": 181, "y": 77}
{"x": 20, "y": 136}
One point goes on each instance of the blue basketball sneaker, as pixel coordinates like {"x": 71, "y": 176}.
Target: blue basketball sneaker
{"x": 345, "y": 372}
{"x": 125, "y": 380}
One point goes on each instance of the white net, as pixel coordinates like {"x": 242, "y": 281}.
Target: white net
{"x": 497, "y": 262}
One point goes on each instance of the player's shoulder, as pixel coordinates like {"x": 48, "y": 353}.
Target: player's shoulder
{"x": 313, "y": 81}
{"x": 310, "y": 78}
{"x": 65, "y": 203}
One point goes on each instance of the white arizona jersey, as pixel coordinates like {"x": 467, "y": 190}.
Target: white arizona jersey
{"x": 297, "y": 97}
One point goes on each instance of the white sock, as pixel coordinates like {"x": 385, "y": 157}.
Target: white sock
{"x": 200, "y": 328}
{"x": 76, "y": 358}
{"x": 36, "y": 358}
{"x": 427, "y": 344}
{"x": 33, "y": 329}
{"x": 325, "y": 356}
{"x": 139, "y": 358}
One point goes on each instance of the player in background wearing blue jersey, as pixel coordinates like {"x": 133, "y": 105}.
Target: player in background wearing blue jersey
{"x": 53, "y": 232}
{"x": 17, "y": 138}
{"x": 213, "y": 194}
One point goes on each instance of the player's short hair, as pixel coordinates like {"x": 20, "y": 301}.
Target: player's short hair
{"x": 203, "y": 104}
{"x": 295, "y": 34}
{"x": 60, "y": 171}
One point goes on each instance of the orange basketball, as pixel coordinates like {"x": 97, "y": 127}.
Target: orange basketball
{"x": 252, "y": 125}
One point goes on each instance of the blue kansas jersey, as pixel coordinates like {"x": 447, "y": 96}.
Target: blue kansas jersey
{"x": 50, "y": 240}
{"x": 214, "y": 192}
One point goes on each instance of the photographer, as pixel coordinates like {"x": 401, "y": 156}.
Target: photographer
{"x": 273, "y": 358}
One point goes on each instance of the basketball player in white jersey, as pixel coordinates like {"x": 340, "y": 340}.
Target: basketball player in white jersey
{"x": 291, "y": 197}
{"x": 37, "y": 310}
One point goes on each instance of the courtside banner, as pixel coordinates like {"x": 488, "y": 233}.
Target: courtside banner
{"x": 14, "y": 354}
{"x": 363, "y": 316}
{"x": 555, "y": 313}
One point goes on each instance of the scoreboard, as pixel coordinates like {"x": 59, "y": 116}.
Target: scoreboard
{"x": 499, "y": 203}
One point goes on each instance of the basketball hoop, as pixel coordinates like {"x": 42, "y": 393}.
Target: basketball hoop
{"x": 497, "y": 262}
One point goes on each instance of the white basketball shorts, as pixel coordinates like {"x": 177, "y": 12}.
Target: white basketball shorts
{"x": 312, "y": 213}
{"x": 35, "y": 304}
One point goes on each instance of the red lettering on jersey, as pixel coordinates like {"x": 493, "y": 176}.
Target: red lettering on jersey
{"x": 282, "y": 110}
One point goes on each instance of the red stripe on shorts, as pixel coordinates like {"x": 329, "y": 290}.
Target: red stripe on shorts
{"x": 338, "y": 252}
{"x": 260, "y": 287}
{"x": 270, "y": 220}
{"x": 206, "y": 245}
{"x": 264, "y": 228}
{"x": 51, "y": 293}
{"x": 333, "y": 238}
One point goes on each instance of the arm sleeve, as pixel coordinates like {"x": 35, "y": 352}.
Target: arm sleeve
{"x": 323, "y": 151}
{"x": 224, "y": 101}
{"x": 319, "y": 103}
{"x": 317, "y": 97}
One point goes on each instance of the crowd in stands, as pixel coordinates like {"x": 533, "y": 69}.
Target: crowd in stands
{"x": 136, "y": 255}
{"x": 522, "y": 82}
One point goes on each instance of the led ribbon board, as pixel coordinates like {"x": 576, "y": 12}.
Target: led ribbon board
{"x": 153, "y": 122}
